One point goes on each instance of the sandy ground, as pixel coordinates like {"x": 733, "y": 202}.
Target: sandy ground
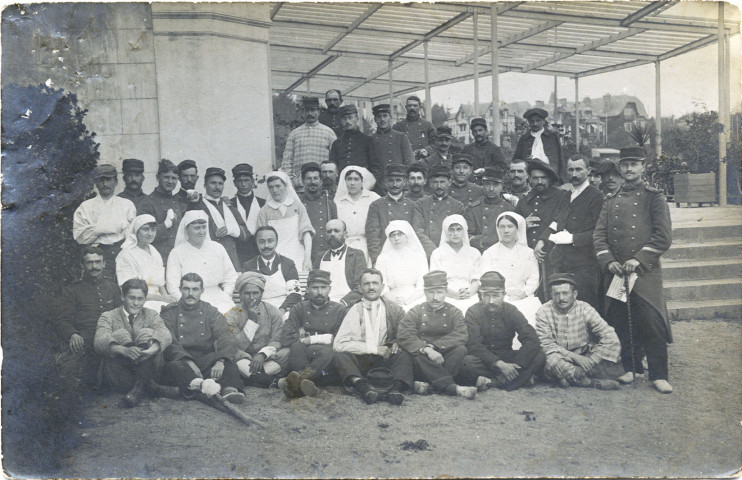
{"x": 539, "y": 431}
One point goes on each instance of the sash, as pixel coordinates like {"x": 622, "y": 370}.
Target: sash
{"x": 227, "y": 220}
{"x": 250, "y": 220}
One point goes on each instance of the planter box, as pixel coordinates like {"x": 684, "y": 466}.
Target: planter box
{"x": 695, "y": 188}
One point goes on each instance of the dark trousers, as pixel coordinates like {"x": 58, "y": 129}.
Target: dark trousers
{"x": 180, "y": 373}
{"x": 316, "y": 360}
{"x": 474, "y": 367}
{"x": 649, "y": 333}
{"x": 439, "y": 376}
{"x": 350, "y": 365}
{"x": 121, "y": 373}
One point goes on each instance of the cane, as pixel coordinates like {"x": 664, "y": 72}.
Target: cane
{"x": 237, "y": 412}
{"x": 631, "y": 327}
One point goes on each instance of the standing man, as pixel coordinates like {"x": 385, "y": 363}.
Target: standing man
{"x": 330, "y": 116}
{"x": 247, "y": 205}
{"x": 435, "y": 334}
{"x": 329, "y": 174}
{"x": 430, "y": 211}
{"x": 367, "y": 339}
{"x": 440, "y": 153}
{"x": 483, "y": 212}
{"x": 320, "y": 207}
{"x": 392, "y": 147}
{"x": 188, "y": 176}
{"x": 633, "y": 231}
{"x": 309, "y": 333}
{"x": 610, "y": 179}
{"x": 354, "y": 147}
{"x": 393, "y": 206}
{"x": 417, "y": 181}
{"x": 419, "y": 131}
{"x": 103, "y": 220}
{"x": 345, "y": 264}
{"x": 573, "y": 252}
{"x": 167, "y": 208}
{"x": 461, "y": 188}
{"x": 540, "y": 143}
{"x": 594, "y": 175}
{"x": 133, "y": 171}
{"x": 483, "y": 152}
{"x": 518, "y": 185}
{"x": 309, "y": 142}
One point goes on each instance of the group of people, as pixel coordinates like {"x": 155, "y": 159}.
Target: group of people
{"x": 419, "y": 278}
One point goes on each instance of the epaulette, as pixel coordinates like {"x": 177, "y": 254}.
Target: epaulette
{"x": 169, "y": 306}
{"x": 476, "y": 203}
{"x": 650, "y": 188}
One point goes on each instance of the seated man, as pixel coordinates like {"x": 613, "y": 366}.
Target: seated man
{"x": 577, "y": 342}
{"x": 131, "y": 340}
{"x": 281, "y": 277}
{"x": 367, "y": 339}
{"x": 492, "y": 325}
{"x": 309, "y": 332}
{"x": 203, "y": 345}
{"x": 258, "y": 327}
{"x": 81, "y": 305}
{"x": 435, "y": 334}
{"x": 344, "y": 263}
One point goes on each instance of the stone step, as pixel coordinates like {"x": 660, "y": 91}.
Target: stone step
{"x": 695, "y": 290}
{"x": 701, "y": 269}
{"x": 727, "y": 309}
{"x": 702, "y": 233}
{"x": 724, "y": 248}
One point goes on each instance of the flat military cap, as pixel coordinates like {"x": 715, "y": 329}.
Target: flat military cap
{"x": 594, "y": 163}
{"x": 478, "y": 121}
{"x": 319, "y": 276}
{"x": 310, "y": 102}
{"x": 608, "y": 167}
{"x": 462, "y": 157}
{"x": 381, "y": 108}
{"x": 105, "y": 171}
{"x": 492, "y": 282}
{"x": 349, "y": 109}
{"x": 242, "y": 169}
{"x": 413, "y": 98}
{"x": 443, "y": 131}
{"x": 434, "y": 279}
{"x": 310, "y": 167}
{"x": 536, "y": 164}
{"x": 493, "y": 174}
{"x": 440, "y": 171}
{"x": 556, "y": 278}
{"x": 132, "y": 165}
{"x": 535, "y": 111}
{"x": 185, "y": 164}
{"x": 215, "y": 171}
{"x": 632, "y": 153}
{"x": 395, "y": 170}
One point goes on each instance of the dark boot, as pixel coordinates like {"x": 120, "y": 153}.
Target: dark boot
{"x": 164, "y": 390}
{"x": 363, "y": 389}
{"x": 394, "y": 396}
{"x": 293, "y": 385}
{"x": 135, "y": 395}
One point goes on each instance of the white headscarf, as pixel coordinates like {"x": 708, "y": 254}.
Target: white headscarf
{"x": 453, "y": 220}
{"x": 131, "y": 235}
{"x": 291, "y": 195}
{"x": 190, "y": 217}
{"x": 522, "y": 239}
{"x": 368, "y": 181}
{"x": 413, "y": 251}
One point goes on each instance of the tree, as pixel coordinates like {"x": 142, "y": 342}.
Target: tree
{"x": 286, "y": 117}
{"x": 694, "y": 139}
{"x": 439, "y": 114}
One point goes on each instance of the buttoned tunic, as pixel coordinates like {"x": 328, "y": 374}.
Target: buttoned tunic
{"x": 157, "y": 204}
{"x": 356, "y": 148}
{"x": 486, "y": 155}
{"x": 135, "y": 198}
{"x": 393, "y": 147}
{"x": 443, "y": 328}
{"x": 314, "y": 321}
{"x": 420, "y": 132}
{"x": 467, "y": 193}
{"x": 321, "y": 209}
{"x": 544, "y": 205}
{"x": 481, "y": 220}
{"x": 428, "y": 219}
{"x": 382, "y": 211}
{"x": 332, "y": 120}
{"x": 81, "y": 304}
{"x": 437, "y": 158}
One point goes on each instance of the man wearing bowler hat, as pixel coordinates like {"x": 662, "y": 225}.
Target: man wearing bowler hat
{"x": 392, "y": 147}
{"x": 420, "y": 131}
{"x": 633, "y": 231}
{"x": 133, "y": 173}
{"x": 484, "y": 211}
{"x": 540, "y": 143}
{"x": 492, "y": 326}
{"x": 484, "y": 153}
{"x": 355, "y": 147}
{"x": 247, "y": 205}
{"x": 441, "y": 152}
{"x": 309, "y": 142}
{"x": 461, "y": 188}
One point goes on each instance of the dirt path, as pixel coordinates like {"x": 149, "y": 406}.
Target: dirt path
{"x": 695, "y": 431}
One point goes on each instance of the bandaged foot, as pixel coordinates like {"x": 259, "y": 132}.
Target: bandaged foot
{"x": 209, "y": 387}
{"x": 195, "y": 384}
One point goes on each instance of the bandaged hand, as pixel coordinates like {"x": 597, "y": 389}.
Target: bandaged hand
{"x": 169, "y": 218}
{"x": 195, "y": 383}
{"x": 561, "y": 238}
{"x": 209, "y": 387}
{"x": 192, "y": 195}
{"x": 321, "y": 339}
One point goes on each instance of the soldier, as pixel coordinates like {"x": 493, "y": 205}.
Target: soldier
{"x": 330, "y": 116}
{"x": 417, "y": 181}
{"x": 484, "y": 153}
{"x": 420, "y": 131}
{"x": 633, "y": 231}
{"x": 395, "y": 205}
{"x": 188, "y": 176}
{"x": 391, "y": 146}
{"x": 329, "y": 173}
{"x": 610, "y": 179}
{"x": 518, "y": 185}
{"x": 167, "y": 208}
{"x": 441, "y": 152}
{"x": 483, "y": 212}
{"x": 594, "y": 174}
{"x": 461, "y": 188}
{"x": 247, "y": 205}
{"x": 540, "y": 143}
{"x": 133, "y": 173}
{"x": 320, "y": 207}
{"x": 354, "y": 147}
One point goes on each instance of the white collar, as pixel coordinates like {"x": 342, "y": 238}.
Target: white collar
{"x": 578, "y": 190}
{"x": 395, "y": 197}
{"x": 537, "y": 134}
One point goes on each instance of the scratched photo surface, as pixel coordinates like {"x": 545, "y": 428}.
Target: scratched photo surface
{"x": 222, "y": 84}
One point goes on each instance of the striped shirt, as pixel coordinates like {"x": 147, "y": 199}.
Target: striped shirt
{"x": 306, "y": 143}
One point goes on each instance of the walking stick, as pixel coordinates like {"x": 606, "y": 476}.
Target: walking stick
{"x": 237, "y": 412}
{"x": 542, "y": 268}
{"x": 631, "y": 327}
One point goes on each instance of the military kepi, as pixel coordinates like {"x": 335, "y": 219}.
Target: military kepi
{"x": 310, "y": 167}
{"x": 435, "y": 279}
{"x": 349, "y": 109}
{"x": 462, "y": 158}
{"x": 444, "y": 131}
{"x": 132, "y": 165}
{"x": 310, "y": 102}
{"x": 381, "y": 108}
{"x": 186, "y": 164}
{"x": 492, "y": 282}
{"x": 105, "y": 171}
{"x": 318, "y": 276}
{"x": 440, "y": 171}
{"x": 215, "y": 171}
{"x": 557, "y": 278}
{"x": 242, "y": 169}
{"x": 493, "y": 174}
{"x": 632, "y": 153}
{"x": 395, "y": 170}
{"x": 481, "y": 122}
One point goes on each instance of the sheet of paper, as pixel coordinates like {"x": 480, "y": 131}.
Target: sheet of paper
{"x": 617, "y": 288}
{"x": 250, "y": 329}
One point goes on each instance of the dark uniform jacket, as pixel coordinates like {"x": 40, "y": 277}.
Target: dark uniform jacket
{"x": 247, "y": 248}
{"x": 314, "y": 321}
{"x": 422, "y": 326}
{"x": 136, "y": 198}
{"x": 355, "y": 264}
{"x": 288, "y": 270}
{"x": 491, "y": 334}
{"x": 552, "y": 148}
{"x": 321, "y": 210}
{"x": 382, "y": 211}
{"x": 546, "y": 206}
{"x": 81, "y": 304}
{"x": 332, "y": 120}
{"x": 428, "y": 219}
{"x": 269, "y": 332}
{"x": 636, "y": 224}
{"x": 356, "y": 148}
{"x": 482, "y": 216}
{"x": 420, "y": 132}
{"x": 157, "y": 204}
{"x": 579, "y": 219}
{"x": 467, "y": 193}
{"x": 201, "y": 334}
{"x": 227, "y": 241}
{"x": 393, "y": 147}
{"x": 435, "y": 158}
{"x": 487, "y": 155}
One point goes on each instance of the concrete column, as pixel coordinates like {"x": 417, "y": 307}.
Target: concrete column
{"x": 657, "y": 109}
{"x": 476, "y": 64}
{"x": 428, "y": 100}
{"x": 723, "y": 108}
{"x": 495, "y": 60}
{"x": 577, "y": 113}
{"x": 556, "y": 100}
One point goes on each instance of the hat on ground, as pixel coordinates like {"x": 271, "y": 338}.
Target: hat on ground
{"x": 310, "y": 167}
{"x": 536, "y": 164}
{"x": 492, "y": 282}
{"x": 319, "y": 276}
{"x": 381, "y": 108}
{"x": 478, "y": 121}
{"x": 632, "y": 153}
{"x": 242, "y": 169}
{"x": 105, "y": 171}
{"x": 556, "y": 278}
{"x": 250, "y": 278}
{"x": 395, "y": 170}
{"x": 185, "y": 164}
{"x": 132, "y": 165}
{"x": 440, "y": 170}
{"x": 380, "y": 379}
{"x": 443, "y": 131}
{"x": 493, "y": 174}
{"x": 348, "y": 109}
{"x": 462, "y": 157}
{"x": 215, "y": 171}
{"x": 535, "y": 111}
{"x": 434, "y": 279}
{"x": 310, "y": 102}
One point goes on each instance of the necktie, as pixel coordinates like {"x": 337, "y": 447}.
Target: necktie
{"x": 268, "y": 265}
{"x": 131, "y": 319}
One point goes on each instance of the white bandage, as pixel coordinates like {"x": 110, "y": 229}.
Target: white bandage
{"x": 209, "y": 387}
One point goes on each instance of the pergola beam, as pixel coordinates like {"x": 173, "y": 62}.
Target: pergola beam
{"x": 433, "y": 33}
{"x": 383, "y": 71}
{"x": 652, "y": 8}
{"x": 613, "y": 68}
{"x": 348, "y": 78}
{"x": 535, "y": 30}
{"x": 701, "y": 42}
{"x": 356, "y": 23}
{"x": 311, "y": 72}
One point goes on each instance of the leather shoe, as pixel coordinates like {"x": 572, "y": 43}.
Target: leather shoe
{"x": 662, "y": 386}
{"x": 308, "y": 388}
{"x": 629, "y": 377}
{"x": 232, "y": 395}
